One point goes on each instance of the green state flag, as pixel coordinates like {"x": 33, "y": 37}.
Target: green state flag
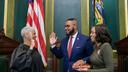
{"x": 98, "y": 11}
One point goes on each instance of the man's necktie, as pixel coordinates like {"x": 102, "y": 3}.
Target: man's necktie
{"x": 70, "y": 46}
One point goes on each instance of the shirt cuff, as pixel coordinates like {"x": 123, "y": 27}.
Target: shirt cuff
{"x": 85, "y": 61}
{"x": 52, "y": 46}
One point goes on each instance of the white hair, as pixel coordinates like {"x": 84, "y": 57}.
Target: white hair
{"x": 26, "y": 29}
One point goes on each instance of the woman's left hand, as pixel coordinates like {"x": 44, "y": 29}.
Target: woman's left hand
{"x": 83, "y": 68}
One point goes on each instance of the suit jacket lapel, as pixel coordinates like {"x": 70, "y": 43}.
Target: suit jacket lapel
{"x": 75, "y": 45}
{"x": 65, "y": 46}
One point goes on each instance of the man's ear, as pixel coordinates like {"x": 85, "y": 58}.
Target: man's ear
{"x": 75, "y": 26}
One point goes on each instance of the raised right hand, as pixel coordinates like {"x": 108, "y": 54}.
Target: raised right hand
{"x": 53, "y": 38}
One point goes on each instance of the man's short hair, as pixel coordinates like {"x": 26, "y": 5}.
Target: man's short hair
{"x": 71, "y": 19}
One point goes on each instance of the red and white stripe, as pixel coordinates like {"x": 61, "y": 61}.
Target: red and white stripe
{"x": 35, "y": 18}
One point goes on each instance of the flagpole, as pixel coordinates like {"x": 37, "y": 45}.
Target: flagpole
{"x": 94, "y": 12}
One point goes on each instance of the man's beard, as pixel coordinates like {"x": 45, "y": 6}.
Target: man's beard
{"x": 71, "y": 32}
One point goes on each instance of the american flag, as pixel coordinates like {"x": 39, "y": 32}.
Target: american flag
{"x": 35, "y": 18}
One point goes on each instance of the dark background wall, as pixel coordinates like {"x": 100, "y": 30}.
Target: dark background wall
{"x": 1, "y": 13}
{"x": 111, "y": 13}
{"x": 20, "y": 15}
{"x": 64, "y": 9}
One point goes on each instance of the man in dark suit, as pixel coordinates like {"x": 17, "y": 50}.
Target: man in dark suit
{"x": 74, "y": 47}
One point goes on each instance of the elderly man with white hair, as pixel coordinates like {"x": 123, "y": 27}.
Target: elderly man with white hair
{"x": 25, "y": 58}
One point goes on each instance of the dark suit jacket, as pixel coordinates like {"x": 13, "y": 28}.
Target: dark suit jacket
{"x": 25, "y": 60}
{"x": 82, "y": 49}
